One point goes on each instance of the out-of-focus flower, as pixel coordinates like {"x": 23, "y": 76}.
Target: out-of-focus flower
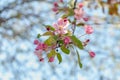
{"x": 38, "y": 53}
{"x": 86, "y": 19}
{"x": 36, "y": 42}
{"x": 92, "y": 54}
{"x": 61, "y": 26}
{"x": 61, "y": 1}
{"x": 79, "y": 12}
{"x": 55, "y": 4}
{"x": 67, "y": 40}
{"x": 55, "y": 9}
{"x": 88, "y": 29}
{"x": 51, "y": 59}
{"x": 41, "y": 46}
{"x": 80, "y": 5}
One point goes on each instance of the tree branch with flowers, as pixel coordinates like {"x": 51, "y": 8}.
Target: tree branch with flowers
{"x": 61, "y": 34}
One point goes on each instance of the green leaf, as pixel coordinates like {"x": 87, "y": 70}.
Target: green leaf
{"x": 48, "y": 33}
{"x": 38, "y": 36}
{"x": 79, "y": 61}
{"x": 76, "y": 42}
{"x": 51, "y": 54}
{"x": 71, "y": 3}
{"x": 48, "y": 26}
{"x": 59, "y": 57}
{"x": 70, "y": 12}
{"x": 65, "y": 50}
{"x": 80, "y": 24}
{"x": 50, "y": 41}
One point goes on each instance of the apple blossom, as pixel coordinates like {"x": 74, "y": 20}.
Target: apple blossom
{"x": 61, "y": 26}
{"x": 88, "y": 29}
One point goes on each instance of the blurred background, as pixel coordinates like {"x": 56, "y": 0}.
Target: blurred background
{"x": 20, "y": 22}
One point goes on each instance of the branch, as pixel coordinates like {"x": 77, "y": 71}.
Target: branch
{"x": 74, "y": 26}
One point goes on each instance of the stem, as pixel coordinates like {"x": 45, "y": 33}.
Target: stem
{"x": 74, "y": 26}
{"x": 82, "y": 35}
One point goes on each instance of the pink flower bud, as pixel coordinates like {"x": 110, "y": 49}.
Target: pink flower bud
{"x": 88, "y": 29}
{"x": 51, "y": 59}
{"x": 92, "y": 54}
{"x": 67, "y": 40}
{"x": 36, "y": 42}
{"x": 80, "y": 5}
{"x": 85, "y": 19}
{"x": 61, "y": 1}
{"x": 44, "y": 46}
{"x": 55, "y": 4}
{"x": 41, "y": 59}
{"x": 55, "y": 9}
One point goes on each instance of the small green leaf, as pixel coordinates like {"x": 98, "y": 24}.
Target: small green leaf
{"x": 59, "y": 57}
{"x": 48, "y": 26}
{"x": 51, "y": 54}
{"x": 50, "y": 41}
{"x": 48, "y": 33}
{"x": 76, "y": 42}
{"x": 80, "y": 24}
{"x": 38, "y": 36}
{"x": 65, "y": 50}
{"x": 79, "y": 61}
{"x": 71, "y": 3}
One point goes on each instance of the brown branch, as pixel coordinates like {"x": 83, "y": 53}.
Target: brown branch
{"x": 74, "y": 25}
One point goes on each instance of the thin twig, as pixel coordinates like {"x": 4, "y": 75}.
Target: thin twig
{"x": 74, "y": 25}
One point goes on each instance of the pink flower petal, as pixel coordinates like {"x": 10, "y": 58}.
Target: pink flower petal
{"x": 51, "y": 59}
{"x": 88, "y": 29}
{"x": 36, "y": 42}
{"x": 92, "y": 54}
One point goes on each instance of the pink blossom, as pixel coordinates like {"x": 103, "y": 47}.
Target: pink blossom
{"x": 51, "y": 59}
{"x": 55, "y": 4}
{"x": 38, "y": 53}
{"x": 79, "y": 13}
{"x": 61, "y": 1}
{"x": 36, "y": 42}
{"x": 85, "y": 19}
{"x": 67, "y": 40}
{"x": 41, "y": 46}
{"x": 80, "y": 5}
{"x": 88, "y": 29}
{"x": 55, "y": 9}
{"x": 92, "y": 54}
{"x": 61, "y": 26}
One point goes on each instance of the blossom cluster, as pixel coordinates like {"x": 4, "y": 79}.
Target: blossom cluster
{"x": 61, "y": 34}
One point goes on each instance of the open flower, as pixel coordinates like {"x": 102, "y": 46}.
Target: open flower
{"x": 79, "y": 12}
{"x": 61, "y": 26}
{"x": 36, "y": 42}
{"x": 88, "y": 29}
